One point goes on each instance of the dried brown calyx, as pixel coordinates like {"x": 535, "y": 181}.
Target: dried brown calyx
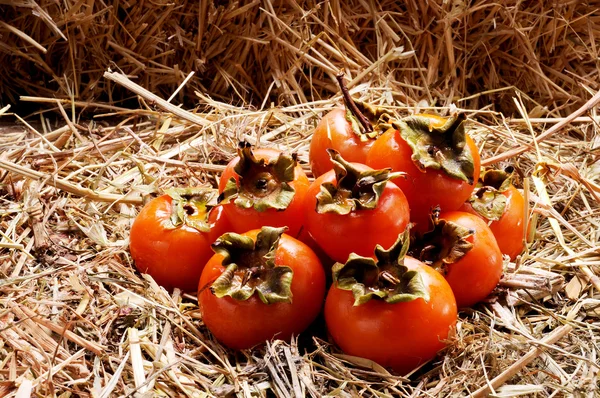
{"x": 386, "y": 279}
{"x": 250, "y": 268}
{"x": 355, "y": 190}
{"x": 192, "y": 206}
{"x": 438, "y": 143}
{"x": 262, "y": 184}
{"x": 363, "y": 117}
{"x": 488, "y": 199}
{"x": 446, "y": 243}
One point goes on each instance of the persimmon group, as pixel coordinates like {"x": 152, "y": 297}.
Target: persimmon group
{"x": 399, "y": 218}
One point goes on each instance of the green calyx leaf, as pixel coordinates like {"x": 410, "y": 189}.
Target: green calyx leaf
{"x": 488, "y": 199}
{"x": 192, "y": 206}
{"x": 250, "y": 268}
{"x": 386, "y": 279}
{"x": 500, "y": 180}
{"x": 262, "y": 185}
{"x": 371, "y": 113}
{"x": 438, "y": 147}
{"x": 355, "y": 190}
{"x": 488, "y": 203}
{"x": 446, "y": 243}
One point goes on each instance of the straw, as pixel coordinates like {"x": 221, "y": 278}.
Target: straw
{"x": 77, "y": 319}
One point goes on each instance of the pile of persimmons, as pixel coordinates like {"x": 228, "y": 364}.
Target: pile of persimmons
{"x": 400, "y": 206}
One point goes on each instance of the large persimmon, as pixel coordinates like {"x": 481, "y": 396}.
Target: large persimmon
{"x": 440, "y": 161}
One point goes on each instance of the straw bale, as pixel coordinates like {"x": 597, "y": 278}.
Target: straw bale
{"x": 288, "y": 51}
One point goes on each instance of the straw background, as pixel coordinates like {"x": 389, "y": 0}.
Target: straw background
{"x": 288, "y": 51}
{"x": 89, "y": 133}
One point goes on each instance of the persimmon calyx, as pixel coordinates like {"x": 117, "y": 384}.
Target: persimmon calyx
{"x": 438, "y": 146}
{"x": 371, "y": 113}
{"x": 262, "y": 184}
{"x": 191, "y": 207}
{"x": 355, "y": 190}
{"x": 250, "y": 268}
{"x": 498, "y": 179}
{"x": 446, "y": 243}
{"x": 488, "y": 199}
{"x": 363, "y": 117}
{"x": 386, "y": 279}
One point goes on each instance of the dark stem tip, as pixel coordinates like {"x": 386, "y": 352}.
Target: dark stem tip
{"x": 350, "y": 104}
{"x": 189, "y": 209}
{"x": 244, "y": 144}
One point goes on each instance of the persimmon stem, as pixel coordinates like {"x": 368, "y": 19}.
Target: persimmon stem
{"x": 350, "y": 104}
{"x": 387, "y": 276}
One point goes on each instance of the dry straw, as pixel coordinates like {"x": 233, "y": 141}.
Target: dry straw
{"x": 288, "y": 51}
{"x": 77, "y": 320}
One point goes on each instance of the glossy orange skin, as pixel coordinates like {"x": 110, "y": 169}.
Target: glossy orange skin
{"x": 243, "y": 220}
{"x": 475, "y": 275}
{"x": 361, "y": 230}
{"x": 423, "y": 190}
{"x": 334, "y": 131}
{"x": 509, "y": 229}
{"x": 327, "y": 262}
{"x": 174, "y": 257}
{"x": 400, "y": 336}
{"x": 244, "y": 324}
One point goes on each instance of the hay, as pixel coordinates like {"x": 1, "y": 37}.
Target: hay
{"x": 477, "y": 53}
{"x": 75, "y": 317}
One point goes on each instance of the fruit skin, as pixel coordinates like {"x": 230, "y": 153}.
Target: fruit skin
{"x": 361, "y": 230}
{"x": 509, "y": 229}
{"x": 423, "y": 190}
{"x": 243, "y": 220}
{"x": 475, "y": 275}
{"x": 335, "y": 131}
{"x": 401, "y": 336}
{"x": 174, "y": 257}
{"x": 244, "y": 324}
{"x": 327, "y": 262}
